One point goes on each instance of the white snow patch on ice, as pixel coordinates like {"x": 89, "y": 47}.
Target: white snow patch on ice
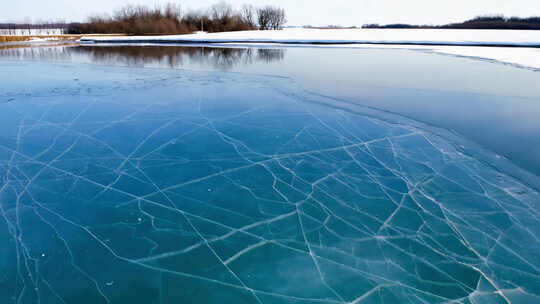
{"x": 525, "y": 57}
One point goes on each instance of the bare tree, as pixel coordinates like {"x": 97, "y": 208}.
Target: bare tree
{"x": 264, "y": 17}
{"x": 172, "y": 11}
{"x": 277, "y": 18}
{"x": 169, "y": 19}
{"x": 270, "y": 17}
{"x": 221, "y": 11}
{"x": 248, "y": 14}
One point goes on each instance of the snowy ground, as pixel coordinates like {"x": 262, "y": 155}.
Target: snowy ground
{"x": 351, "y": 36}
{"x": 525, "y": 57}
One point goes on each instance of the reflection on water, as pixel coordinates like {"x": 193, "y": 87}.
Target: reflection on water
{"x": 36, "y": 51}
{"x": 171, "y": 56}
{"x": 175, "y": 56}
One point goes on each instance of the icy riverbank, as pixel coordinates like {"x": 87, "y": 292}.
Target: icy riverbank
{"x": 348, "y": 36}
{"x": 521, "y": 48}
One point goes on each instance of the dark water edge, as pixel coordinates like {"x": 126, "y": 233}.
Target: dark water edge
{"x": 166, "y": 42}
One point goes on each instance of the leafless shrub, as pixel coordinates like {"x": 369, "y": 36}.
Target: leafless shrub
{"x": 264, "y": 17}
{"x": 169, "y": 19}
{"x": 136, "y": 20}
{"x": 221, "y": 17}
{"x": 277, "y": 18}
{"x": 248, "y": 14}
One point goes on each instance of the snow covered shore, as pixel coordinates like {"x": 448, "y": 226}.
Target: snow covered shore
{"x": 347, "y": 36}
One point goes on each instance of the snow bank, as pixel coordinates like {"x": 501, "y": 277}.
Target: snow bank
{"x": 347, "y": 36}
{"x": 523, "y": 57}
{"x": 526, "y": 57}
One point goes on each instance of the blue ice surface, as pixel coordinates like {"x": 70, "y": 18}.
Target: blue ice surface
{"x": 140, "y": 185}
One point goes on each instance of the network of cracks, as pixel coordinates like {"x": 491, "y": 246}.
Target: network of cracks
{"x": 125, "y": 185}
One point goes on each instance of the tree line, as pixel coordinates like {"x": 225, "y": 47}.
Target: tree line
{"x": 170, "y": 19}
{"x": 32, "y": 28}
{"x": 483, "y": 22}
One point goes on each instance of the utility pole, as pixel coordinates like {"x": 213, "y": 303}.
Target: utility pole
{"x": 202, "y": 24}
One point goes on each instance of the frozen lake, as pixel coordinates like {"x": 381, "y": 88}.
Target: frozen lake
{"x": 188, "y": 174}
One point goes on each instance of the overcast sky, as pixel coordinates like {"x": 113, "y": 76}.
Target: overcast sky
{"x": 300, "y": 12}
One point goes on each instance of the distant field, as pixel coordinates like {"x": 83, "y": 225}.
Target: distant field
{"x": 31, "y": 32}
{"x": 8, "y": 33}
{"x": 10, "y": 38}
{"x": 4, "y": 39}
